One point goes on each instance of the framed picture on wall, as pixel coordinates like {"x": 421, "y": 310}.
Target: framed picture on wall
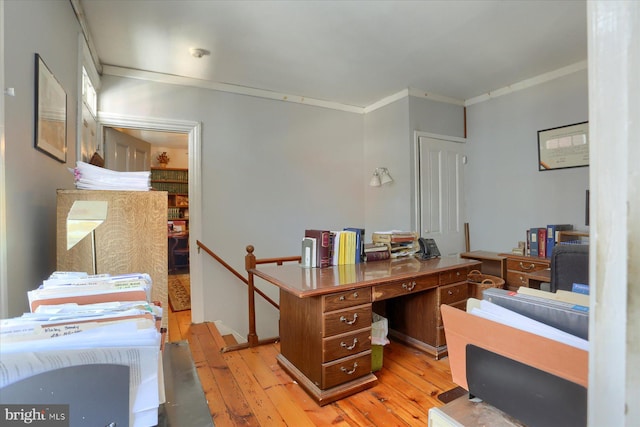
{"x": 50, "y": 113}
{"x": 563, "y": 147}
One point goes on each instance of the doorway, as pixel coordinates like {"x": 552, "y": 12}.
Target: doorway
{"x": 192, "y": 130}
{"x": 439, "y": 197}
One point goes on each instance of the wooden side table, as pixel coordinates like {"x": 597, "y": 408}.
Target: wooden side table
{"x": 493, "y": 263}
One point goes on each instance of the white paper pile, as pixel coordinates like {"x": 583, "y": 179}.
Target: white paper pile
{"x": 81, "y": 319}
{"x": 89, "y": 177}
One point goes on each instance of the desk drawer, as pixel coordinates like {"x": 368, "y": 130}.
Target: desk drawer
{"x": 517, "y": 279}
{"x": 460, "y": 305}
{"x": 453, "y": 276}
{"x": 526, "y": 266}
{"x": 346, "y": 299}
{"x": 346, "y": 344}
{"x": 404, "y": 287}
{"x": 346, "y": 369}
{"x": 348, "y": 320}
{"x": 450, "y": 294}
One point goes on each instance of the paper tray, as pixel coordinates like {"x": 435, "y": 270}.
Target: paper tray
{"x": 462, "y": 328}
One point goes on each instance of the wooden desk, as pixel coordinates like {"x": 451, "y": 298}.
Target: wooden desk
{"x": 326, "y": 315}
{"x": 493, "y": 263}
{"x": 520, "y": 268}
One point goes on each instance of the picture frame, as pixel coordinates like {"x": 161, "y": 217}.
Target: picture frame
{"x": 563, "y": 147}
{"x": 50, "y": 113}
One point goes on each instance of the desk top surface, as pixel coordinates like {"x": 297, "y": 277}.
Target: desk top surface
{"x": 307, "y": 282}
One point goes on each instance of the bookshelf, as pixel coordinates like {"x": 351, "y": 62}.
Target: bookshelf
{"x": 573, "y": 237}
{"x": 176, "y": 183}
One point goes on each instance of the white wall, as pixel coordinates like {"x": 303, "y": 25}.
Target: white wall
{"x": 270, "y": 169}
{"x": 506, "y": 194}
{"x": 389, "y": 142}
{"x": 50, "y": 29}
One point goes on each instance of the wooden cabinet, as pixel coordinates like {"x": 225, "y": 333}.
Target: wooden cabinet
{"x": 331, "y": 342}
{"x": 176, "y": 183}
{"x": 519, "y": 267}
{"x": 326, "y": 317}
{"x": 493, "y": 263}
{"x": 132, "y": 239}
{"x": 415, "y": 317}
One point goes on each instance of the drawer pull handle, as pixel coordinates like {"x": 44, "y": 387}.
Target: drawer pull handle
{"x": 522, "y": 280}
{"x": 342, "y": 297}
{"x": 527, "y": 267}
{"x": 349, "y": 371}
{"x": 450, "y": 292}
{"x": 349, "y": 322}
{"x": 409, "y": 287}
{"x": 350, "y": 347}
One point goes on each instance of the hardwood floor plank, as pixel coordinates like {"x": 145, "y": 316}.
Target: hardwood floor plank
{"x": 249, "y": 388}
{"x": 238, "y": 407}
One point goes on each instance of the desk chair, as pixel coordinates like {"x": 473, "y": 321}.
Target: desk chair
{"x": 569, "y": 265}
{"x": 179, "y": 252}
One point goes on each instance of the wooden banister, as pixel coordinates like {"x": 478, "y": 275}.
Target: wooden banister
{"x": 235, "y": 273}
{"x": 250, "y": 262}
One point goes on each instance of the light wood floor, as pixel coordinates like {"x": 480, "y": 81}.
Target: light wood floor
{"x": 248, "y": 387}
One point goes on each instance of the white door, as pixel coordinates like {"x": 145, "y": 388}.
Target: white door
{"x": 124, "y": 153}
{"x": 441, "y": 192}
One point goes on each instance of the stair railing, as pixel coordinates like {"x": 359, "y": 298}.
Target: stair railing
{"x": 250, "y": 262}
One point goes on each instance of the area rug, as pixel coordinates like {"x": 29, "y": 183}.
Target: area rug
{"x": 179, "y": 292}
{"x": 452, "y": 394}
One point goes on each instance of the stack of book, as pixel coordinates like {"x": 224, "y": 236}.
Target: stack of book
{"x": 542, "y": 240}
{"x": 324, "y": 248}
{"x": 376, "y": 252}
{"x": 399, "y": 243}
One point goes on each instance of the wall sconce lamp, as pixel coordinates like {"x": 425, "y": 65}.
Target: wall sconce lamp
{"x": 380, "y": 177}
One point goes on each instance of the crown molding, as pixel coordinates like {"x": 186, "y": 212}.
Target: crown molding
{"x": 225, "y": 87}
{"x": 524, "y": 84}
{"x": 261, "y": 93}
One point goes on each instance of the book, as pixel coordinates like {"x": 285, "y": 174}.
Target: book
{"x": 533, "y": 239}
{"x": 335, "y": 255}
{"x": 322, "y": 246}
{"x": 348, "y": 255}
{"x": 359, "y": 243}
{"x": 552, "y": 235}
{"x": 375, "y": 247}
{"x": 377, "y": 255}
{"x": 307, "y": 252}
{"x": 542, "y": 242}
{"x": 393, "y": 236}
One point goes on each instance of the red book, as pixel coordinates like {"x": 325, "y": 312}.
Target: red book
{"x": 323, "y": 258}
{"x": 542, "y": 242}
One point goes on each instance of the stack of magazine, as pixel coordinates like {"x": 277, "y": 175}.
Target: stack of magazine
{"x": 89, "y": 177}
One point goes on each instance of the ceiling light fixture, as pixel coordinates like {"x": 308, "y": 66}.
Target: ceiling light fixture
{"x": 197, "y": 52}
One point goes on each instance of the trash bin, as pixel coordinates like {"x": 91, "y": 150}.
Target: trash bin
{"x": 379, "y": 331}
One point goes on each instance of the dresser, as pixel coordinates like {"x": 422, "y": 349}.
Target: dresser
{"x": 520, "y": 270}
{"x": 326, "y": 316}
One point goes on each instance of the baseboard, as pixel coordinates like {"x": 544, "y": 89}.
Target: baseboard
{"x": 225, "y": 330}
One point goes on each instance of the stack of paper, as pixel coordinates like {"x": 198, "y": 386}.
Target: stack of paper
{"x": 89, "y": 177}
{"x": 78, "y": 319}
{"x": 59, "y": 289}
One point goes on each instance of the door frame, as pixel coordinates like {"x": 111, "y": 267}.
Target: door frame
{"x": 194, "y": 131}
{"x": 417, "y": 210}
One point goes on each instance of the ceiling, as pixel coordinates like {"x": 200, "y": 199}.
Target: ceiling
{"x": 353, "y": 53}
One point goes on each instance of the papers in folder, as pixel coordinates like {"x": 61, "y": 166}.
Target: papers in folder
{"x": 78, "y": 320}
{"x": 512, "y": 337}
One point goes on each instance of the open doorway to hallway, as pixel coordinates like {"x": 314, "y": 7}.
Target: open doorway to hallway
{"x": 193, "y": 130}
